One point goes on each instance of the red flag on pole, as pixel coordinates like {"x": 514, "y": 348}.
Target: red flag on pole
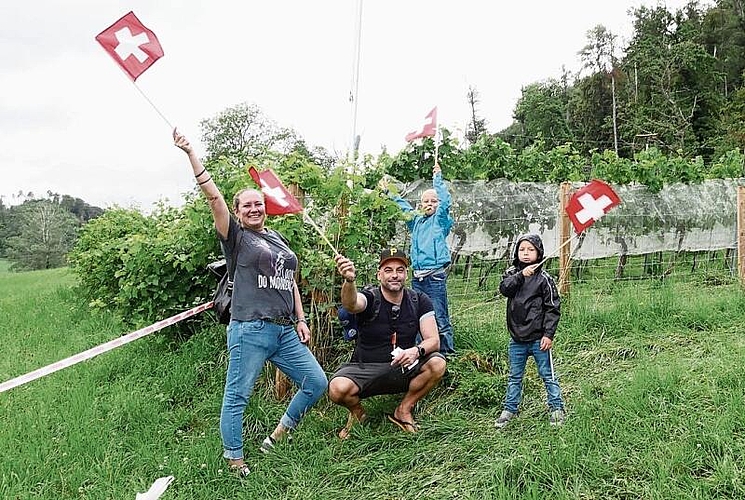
{"x": 429, "y": 127}
{"x": 134, "y": 47}
{"x": 590, "y": 203}
{"x": 278, "y": 199}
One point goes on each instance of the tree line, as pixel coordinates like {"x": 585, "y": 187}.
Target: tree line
{"x": 676, "y": 85}
{"x": 39, "y": 232}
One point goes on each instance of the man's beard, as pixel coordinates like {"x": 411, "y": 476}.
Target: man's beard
{"x": 392, "y": 286}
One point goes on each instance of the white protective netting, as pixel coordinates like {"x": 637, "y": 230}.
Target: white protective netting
{"x": 681, "y": 217}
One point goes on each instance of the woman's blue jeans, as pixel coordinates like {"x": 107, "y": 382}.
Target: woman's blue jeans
{"x": 518, "y": 353}
{"x": 436, "y": 287}
{"x": 250, "y": 344}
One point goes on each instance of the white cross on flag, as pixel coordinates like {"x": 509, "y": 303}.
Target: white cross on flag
{"x": 277, "y": 198}
{"x": 429, "y": 127}
{"x": 134, "y": 47}
{"x": 590, "y": 203}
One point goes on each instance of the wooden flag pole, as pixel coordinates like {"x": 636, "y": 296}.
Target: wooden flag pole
{"x": 171, "y": 127}
{"x": 320, "y": 232}
{"x": 556, "y": 252}
{"x": 565, "y": 228}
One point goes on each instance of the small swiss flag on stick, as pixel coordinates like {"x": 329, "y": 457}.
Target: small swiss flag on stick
{"x": 429, "y": 127}
{"x": 589, "y": 203}
{"x": 278, "y": 199}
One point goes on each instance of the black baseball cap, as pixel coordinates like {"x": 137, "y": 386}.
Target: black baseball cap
{"x": 392, "y": 253}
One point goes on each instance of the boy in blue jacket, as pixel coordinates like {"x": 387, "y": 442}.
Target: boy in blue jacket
{"x": 532, "y": 317}
{"x": 430, "y": 255}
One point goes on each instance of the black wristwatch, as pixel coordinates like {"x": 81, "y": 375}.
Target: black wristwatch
{"x": 421, "y": 350}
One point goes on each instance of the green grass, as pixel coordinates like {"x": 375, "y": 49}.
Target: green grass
{"x": 650, "y": 371}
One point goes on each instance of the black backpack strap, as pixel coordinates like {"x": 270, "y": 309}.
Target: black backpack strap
{"x": 412, "y": 298}
{"x": 376, "y": 302}
{"x": 234, "y": 257}
{"x": 375, "y": 290}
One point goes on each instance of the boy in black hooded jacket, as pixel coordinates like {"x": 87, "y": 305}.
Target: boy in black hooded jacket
{"x": 532, "y": 317}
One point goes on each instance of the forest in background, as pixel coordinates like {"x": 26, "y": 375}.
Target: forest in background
{"x": 676, "y": 85}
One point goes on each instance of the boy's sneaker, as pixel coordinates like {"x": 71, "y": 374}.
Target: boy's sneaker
{"x": 556, "y": 417}
{"x": 503, "y": 419}
{"x": 267, "y": 445}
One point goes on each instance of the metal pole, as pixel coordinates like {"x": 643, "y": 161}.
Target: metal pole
{"x": 615, "y": 126}
{"x": 741, "y": 233}
{"x": 354, "y": 91}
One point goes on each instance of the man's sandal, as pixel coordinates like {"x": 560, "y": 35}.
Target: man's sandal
{"x": 351, "y": 420}
{"x": 410, "y": 427}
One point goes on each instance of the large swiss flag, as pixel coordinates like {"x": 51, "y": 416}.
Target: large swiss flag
{"x": 589, "y": 203}
{"x": 134, "y": 47}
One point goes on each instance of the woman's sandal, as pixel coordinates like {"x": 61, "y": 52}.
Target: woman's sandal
{"x": 241, "y": 469}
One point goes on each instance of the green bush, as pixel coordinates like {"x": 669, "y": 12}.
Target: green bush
{"x": 150, "y": 267}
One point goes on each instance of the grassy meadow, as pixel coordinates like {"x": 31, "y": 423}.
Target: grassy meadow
{"x": 651, "y": 374}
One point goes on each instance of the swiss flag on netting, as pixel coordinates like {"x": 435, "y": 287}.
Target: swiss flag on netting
{"x": 589, "y": 203}
{"x": 277, "y": 198}
{"x": 429, "y": 127}
{"x": 134, "y": 47}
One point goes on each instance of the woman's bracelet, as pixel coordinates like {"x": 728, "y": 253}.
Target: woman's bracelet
{"x": 205, "y": 181}
{"x": 204, "y": 169}
{"x": 301, "y": 320}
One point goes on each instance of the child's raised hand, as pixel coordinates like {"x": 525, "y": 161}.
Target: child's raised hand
{"x": 529, "y": 270}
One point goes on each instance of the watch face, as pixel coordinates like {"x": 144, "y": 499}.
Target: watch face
{"x": 422, "y": 352}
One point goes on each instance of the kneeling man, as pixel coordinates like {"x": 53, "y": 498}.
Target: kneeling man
{"x": 386, "y": 359}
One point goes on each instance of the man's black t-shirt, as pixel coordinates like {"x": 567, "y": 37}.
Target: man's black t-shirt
{"x": 375, "y": 340}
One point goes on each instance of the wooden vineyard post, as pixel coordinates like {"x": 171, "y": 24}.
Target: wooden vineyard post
{"x": 281, "y": 382}
{"x": 741, "y": 233}
{"x": 565, "y": 229}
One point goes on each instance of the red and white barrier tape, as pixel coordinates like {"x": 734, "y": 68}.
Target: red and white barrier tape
{"x": 95, "y": 351}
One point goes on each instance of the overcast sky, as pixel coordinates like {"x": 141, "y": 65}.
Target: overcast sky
{"x": 71, "y": 122}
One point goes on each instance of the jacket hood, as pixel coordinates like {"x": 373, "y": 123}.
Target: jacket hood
{"x": 534, "y": 240}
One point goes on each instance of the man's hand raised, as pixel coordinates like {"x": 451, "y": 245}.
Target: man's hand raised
{"x": 346, "y": 268}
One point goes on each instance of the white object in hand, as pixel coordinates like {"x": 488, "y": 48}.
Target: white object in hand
{"x": 395, "y": 352}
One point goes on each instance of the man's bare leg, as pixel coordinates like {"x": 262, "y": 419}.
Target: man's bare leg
{"x": 430, "y": 375}
{"x": 356, "y": 414}
{"x": 343, "y": 391}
